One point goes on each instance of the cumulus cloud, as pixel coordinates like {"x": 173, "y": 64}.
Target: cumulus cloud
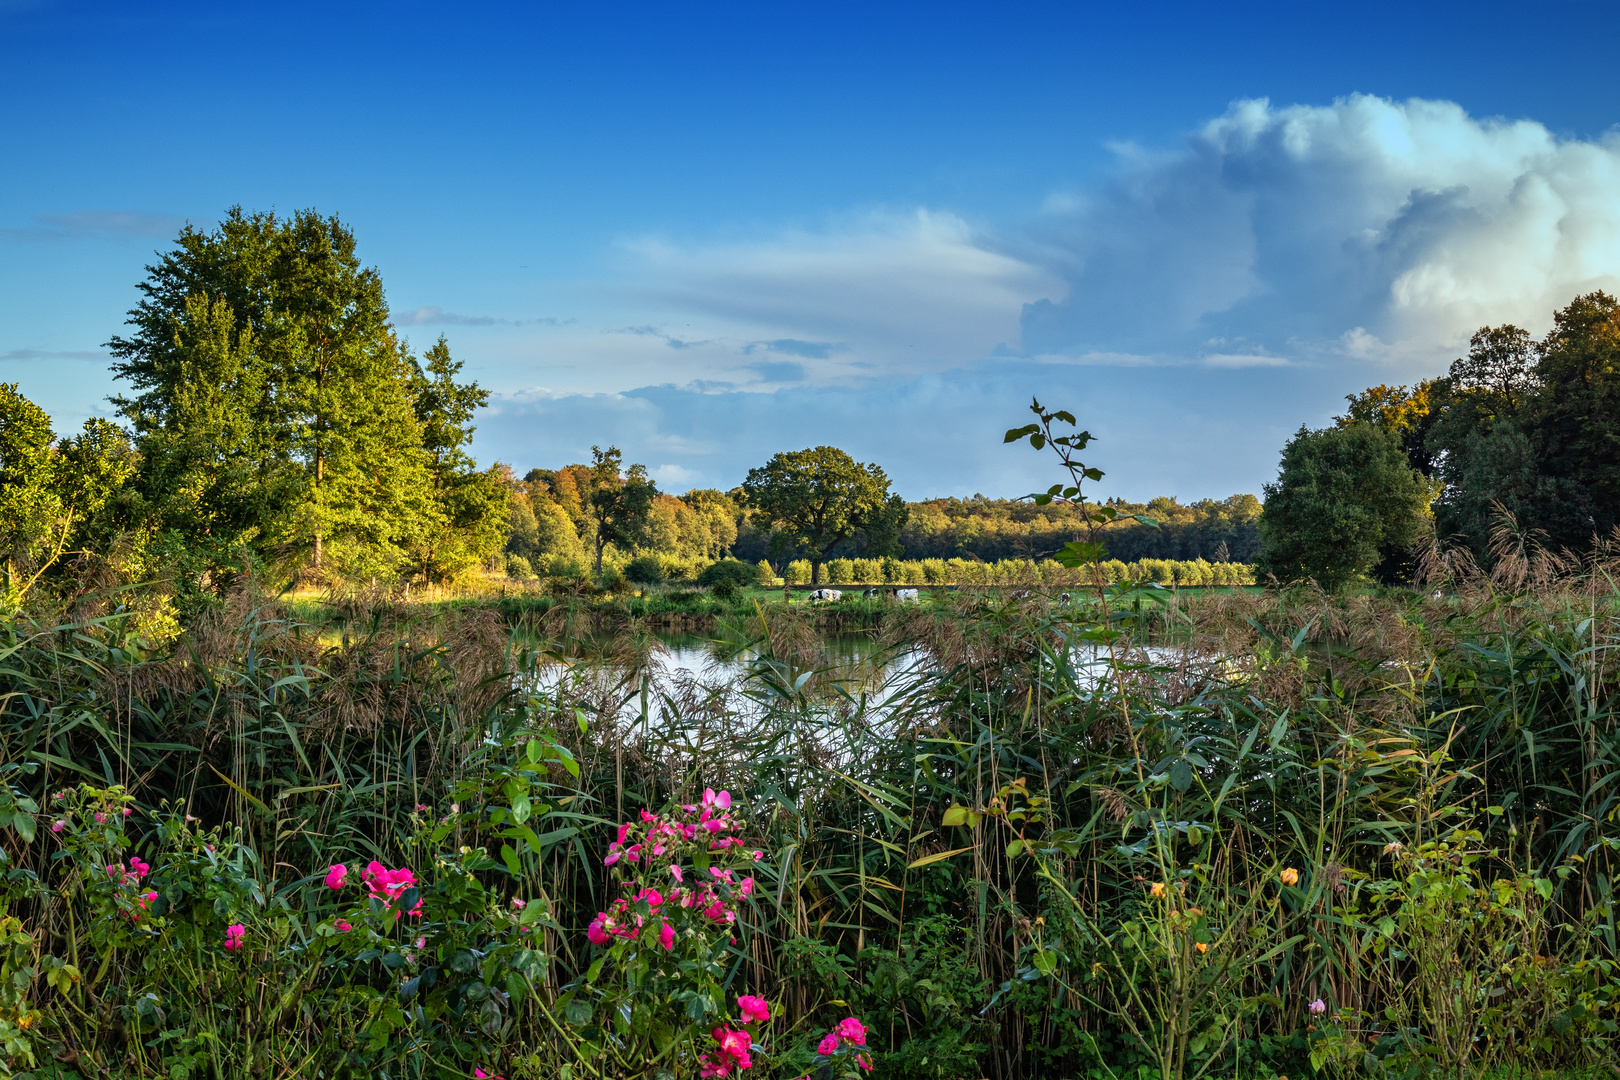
{"x": 1366, "y": 230}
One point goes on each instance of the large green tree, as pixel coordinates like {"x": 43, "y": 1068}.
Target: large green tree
{"x": 619, "y": 501}
{"x": 813, "y": 500}
{"x": 275, "y": 409}
{"x": 1346, "y": 501}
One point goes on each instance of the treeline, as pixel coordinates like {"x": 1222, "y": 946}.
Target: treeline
{"x": 1019, "y": 572}
{"x": 1514, "y": 452}
{"x": 551, "y": 531}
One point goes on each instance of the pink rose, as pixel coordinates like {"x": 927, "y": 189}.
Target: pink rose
{"x": 597, "y": 934}
{"x": 735, "y": 1045}
{"x": 829, "y": 1043}
{"x": 342, "y": 926}
{"x": 852, "y": 1030}
{"x": 335, "y": 876}
{"x": 666, "y": 937}
{"x": 234, "y": 935}
{"x": 753, "y": 1008}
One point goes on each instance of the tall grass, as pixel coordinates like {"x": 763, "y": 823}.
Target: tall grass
{"x": 1284, "y": 731}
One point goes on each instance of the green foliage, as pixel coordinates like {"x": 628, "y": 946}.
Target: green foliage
{"x": 813, "y": 500}
{"x": 619, "y": 501}
{"x": 275, "y": 411}
{"x": 645, "y": 570}
{"x": 1346, "y": 502}
{"x": 54, "y": 497}
{"x": 739, "y": 574}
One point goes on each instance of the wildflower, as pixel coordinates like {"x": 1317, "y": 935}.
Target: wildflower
{"x": 597, "y": 931}
{"x": 1201, "y": 947}
{"x": 335, "y": 876}
{"x": 1318, "y": 1007}
{"x": 853, "y": 1031}
{"x": 675, "y": 871}
{"x": 421, "y": 941}
{"x": 145, "y": 901}
{"x": 518, "y": 905}
{"x": 480, "y": 1074}
{"x": 234, "y": 934}
{"x": 138, "y": 869}
{"x": 720, "y": 799}
{"x": 343, "y": 926}
{"x": 1393, "y": 847}
{"x": 666, "y": 937}
{"x": 758, "y": 855}
{"x": 864, "y": 1062}
{"x": 128, "y": 811}
{"x": 58, "y": 825}
{"x": 387, "y": 884}
{"x": 101, "y": 819}
{"x": 1290, "y": 876}
{"x": 735, "y": 1045}
{"x": 752, "y": 1008}
{"x": 1157, "y": 889}
{"x": 422, "y": 808}
{"x": 829, "y": 1043}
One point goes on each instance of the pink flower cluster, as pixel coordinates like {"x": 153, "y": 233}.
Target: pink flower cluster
{"x": 622, "y": 920}
{"x": 851, "y": 1031}
{"x": 132, "y": 875}
{"x": 735, "y": 1046}
{"x": 655, "y": 841}
{"x": 234, "y": 934}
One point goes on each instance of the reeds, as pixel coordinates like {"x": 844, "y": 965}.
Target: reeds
{"x": 1284, "y": 730}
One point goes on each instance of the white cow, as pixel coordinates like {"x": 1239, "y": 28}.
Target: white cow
{"x": 825, "y": 595}
{"x": 903, "y": 595}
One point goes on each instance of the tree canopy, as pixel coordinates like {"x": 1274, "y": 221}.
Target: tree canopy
{"x": 620, "y": 501}
{"x": 813, "y": 500}
{"x": 276, "y": 413}
{"x": 1346, "y": 501}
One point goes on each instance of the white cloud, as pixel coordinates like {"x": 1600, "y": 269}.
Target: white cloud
{"x": 896, "y": 293}
{"x": 1367, "y": 229}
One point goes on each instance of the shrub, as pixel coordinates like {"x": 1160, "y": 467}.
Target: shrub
{"x": 739, "y": 573}
{"x": 839, "y": 571}
{"x": 645, "y": 570}
{"x": 518, "y": 567}
{"x": 797, "y": 572}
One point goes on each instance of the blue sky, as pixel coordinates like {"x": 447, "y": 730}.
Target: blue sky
{"x": 710, "y": 232}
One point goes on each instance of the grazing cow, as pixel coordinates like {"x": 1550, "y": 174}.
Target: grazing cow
{"x": 872, "y": 594}
{"x": 825, "y": 596}
{"x": 1064, "y": 599}
{"x": 903, "y": 595}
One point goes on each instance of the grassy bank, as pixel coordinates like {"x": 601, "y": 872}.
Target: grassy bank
{"x": 1396, "y": 808}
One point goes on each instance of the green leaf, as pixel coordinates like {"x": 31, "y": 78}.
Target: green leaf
{"x": 532, "y": 751}
{"x": 936, "y": 857}
{"x": 1014, "y": 848}
{"x": 510, "y": 858}
{"x": 578, "y": 1012}
{"x": 24, "y": 824}
{"x": 1018, "y": 433}
{"x": 958, "y": 815}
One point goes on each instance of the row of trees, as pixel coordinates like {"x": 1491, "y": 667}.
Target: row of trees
{"x": 1520, "y": 430}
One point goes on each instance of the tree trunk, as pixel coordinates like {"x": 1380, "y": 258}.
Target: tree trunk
{"x": 815, "y": 572}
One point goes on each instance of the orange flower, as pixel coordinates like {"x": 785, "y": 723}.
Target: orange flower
{"x": 1201, "y": 947}
{"x": 1157, "y": 889}
{"x": 1290, "y": 876}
